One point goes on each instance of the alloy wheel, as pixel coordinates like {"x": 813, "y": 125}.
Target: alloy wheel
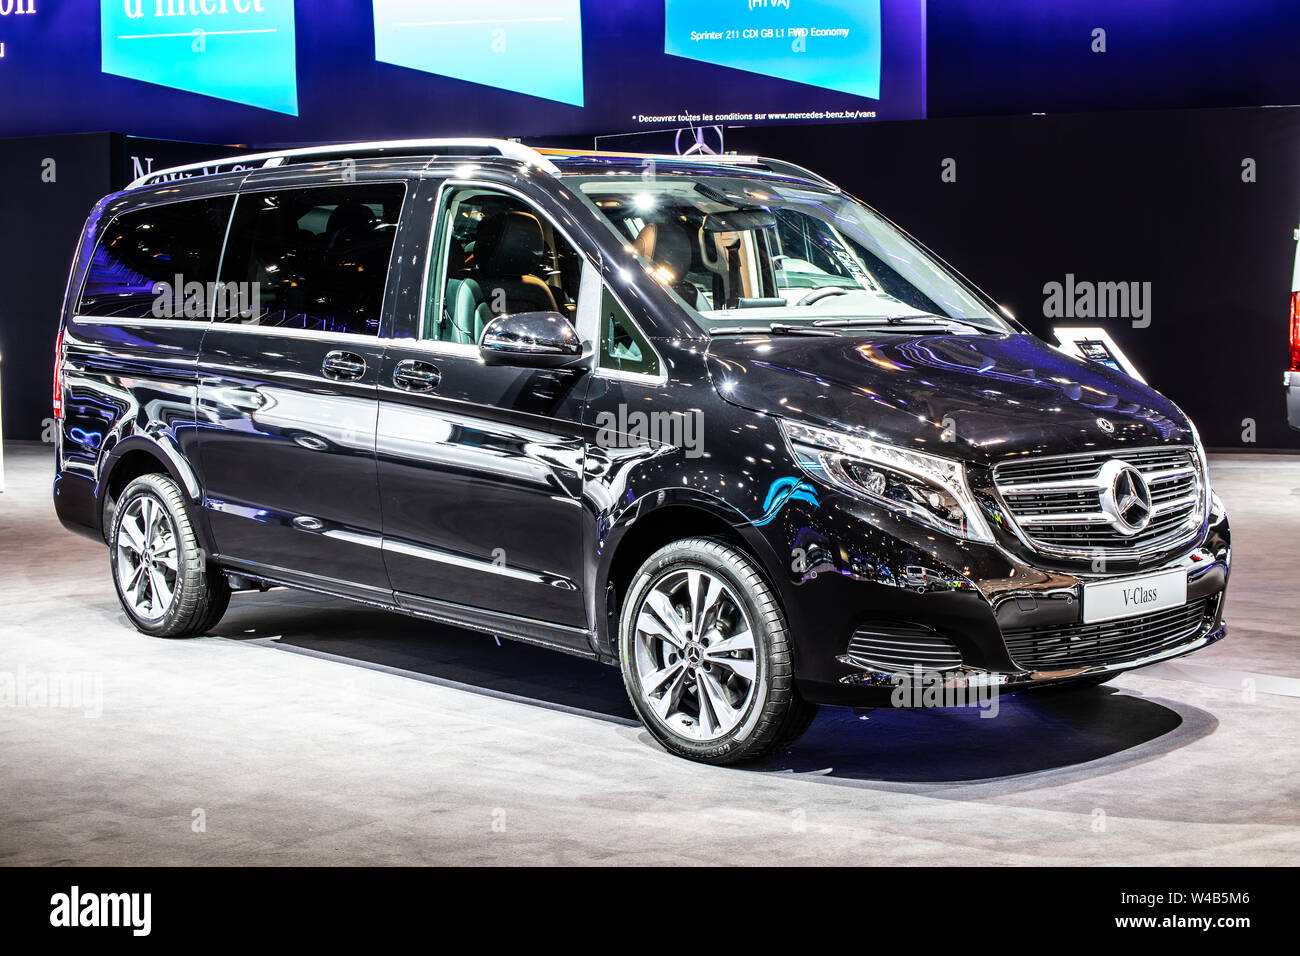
{"x": 695, "y": 654}
{"x": 147, "y": 558}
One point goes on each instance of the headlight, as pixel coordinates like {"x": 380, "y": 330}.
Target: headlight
{"x": 926, "y": 488}
{"x": 1203, "y": 463}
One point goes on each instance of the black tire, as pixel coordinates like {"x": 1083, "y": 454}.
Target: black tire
{"x": 774, "y": 715}
{"x": 200, "y": 594}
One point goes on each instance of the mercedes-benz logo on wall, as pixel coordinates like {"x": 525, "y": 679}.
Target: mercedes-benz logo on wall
{"x": 1125, "y": 497}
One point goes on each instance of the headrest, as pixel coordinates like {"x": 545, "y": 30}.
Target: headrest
{"x": 509, "y": 243}
{"x": 350, "y": 215}
{"x": 668, "y": 245}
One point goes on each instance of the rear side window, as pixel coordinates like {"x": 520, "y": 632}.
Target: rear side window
{"x": 313, "y": 258}
{"x": 146, "y": 258}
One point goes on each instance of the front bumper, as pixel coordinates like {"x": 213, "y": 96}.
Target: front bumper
{"x": 850, "y": 572}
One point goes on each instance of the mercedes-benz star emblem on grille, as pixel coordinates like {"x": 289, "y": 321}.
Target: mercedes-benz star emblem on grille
{"x": 1127, "y": 499}
{"x": 1106, "y": 426}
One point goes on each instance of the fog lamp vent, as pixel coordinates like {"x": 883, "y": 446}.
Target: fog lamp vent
{"x": 891, "y": 648}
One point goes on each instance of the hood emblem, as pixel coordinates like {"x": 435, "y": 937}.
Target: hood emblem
{"x": 1125, "y": 497}
{"x": 1106, "y": 426}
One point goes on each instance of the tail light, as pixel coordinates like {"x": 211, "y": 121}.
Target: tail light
{"x": 1295, "y": 331}
{"x": 59, "y": 368}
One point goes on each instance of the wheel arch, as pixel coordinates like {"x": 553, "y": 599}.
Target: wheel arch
{"x": 673, "y": 515}
{"x": 143, "y": 454}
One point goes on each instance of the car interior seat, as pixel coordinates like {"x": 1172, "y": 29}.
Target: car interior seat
{"x": 671, "y": 247}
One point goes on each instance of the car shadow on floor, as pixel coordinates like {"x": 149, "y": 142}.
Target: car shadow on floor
{"x": 1026, "y": 733}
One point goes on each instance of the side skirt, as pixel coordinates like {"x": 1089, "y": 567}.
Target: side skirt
{"x": 556, "y": 637}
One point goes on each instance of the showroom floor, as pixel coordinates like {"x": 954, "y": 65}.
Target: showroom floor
{"x": 314, "y": 731}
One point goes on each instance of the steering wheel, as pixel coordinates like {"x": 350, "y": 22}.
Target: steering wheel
{"x": 820, "y": 294}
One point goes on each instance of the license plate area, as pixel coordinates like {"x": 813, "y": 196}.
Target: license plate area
{"x": 1129, "y": 597}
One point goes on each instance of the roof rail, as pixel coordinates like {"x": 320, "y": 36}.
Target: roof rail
{"x": 779, "y": 166}
{"x": 396, "y": 147}
{"x": 798, "y": 172}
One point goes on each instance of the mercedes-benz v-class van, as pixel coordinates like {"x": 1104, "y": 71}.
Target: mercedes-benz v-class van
{"x": 709, "y": 419}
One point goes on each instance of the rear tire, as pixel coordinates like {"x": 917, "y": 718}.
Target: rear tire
{"x": 705, "y": 655}
{"x": 159, "y": 570}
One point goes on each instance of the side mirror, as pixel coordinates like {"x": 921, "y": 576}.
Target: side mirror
{"x": 530, "y": 340}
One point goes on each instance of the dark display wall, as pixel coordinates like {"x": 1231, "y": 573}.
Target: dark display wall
{"x": 1197, "y": 207}
{"x": 47, "y": 187}
{"x": 1026, "y": 56}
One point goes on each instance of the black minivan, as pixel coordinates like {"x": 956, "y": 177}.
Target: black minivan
{"x": 707, "y": 418}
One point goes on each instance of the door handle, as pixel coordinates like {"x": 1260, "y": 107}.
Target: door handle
{"x": 416, "y": 376}
{"x": 343, "y": 366}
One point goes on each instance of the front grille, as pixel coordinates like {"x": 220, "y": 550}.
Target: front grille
{"x": 901, "y": 647}
{"x": 1059, "y": 502}
{"x": 1065, "y": 646}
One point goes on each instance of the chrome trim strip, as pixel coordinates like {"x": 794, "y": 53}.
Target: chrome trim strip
{"x": 123, "y": 322}
{"x": 1108, "y": 453}
{"x": 476, "y": 564}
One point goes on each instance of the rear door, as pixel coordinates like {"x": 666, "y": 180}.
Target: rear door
{"x": 287, "y": 392}
{"x": 481, "y": 467}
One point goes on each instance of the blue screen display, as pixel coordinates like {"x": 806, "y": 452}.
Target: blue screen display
{"x": 532, "y": 47}
{"x": 271, "y": 72}
{"x": 834, "y": 44}
{"x": 237, "y": 50}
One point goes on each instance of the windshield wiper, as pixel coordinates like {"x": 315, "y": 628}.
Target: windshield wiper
{"x": 876, "y": 320}
{"x": 776, "y": 328}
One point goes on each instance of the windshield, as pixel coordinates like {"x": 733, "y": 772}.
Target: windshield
{"x": 745, "y": 253}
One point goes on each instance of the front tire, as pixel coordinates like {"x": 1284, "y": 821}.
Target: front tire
{"x": 705, "y": 655}
{"x": 158, "y": 568}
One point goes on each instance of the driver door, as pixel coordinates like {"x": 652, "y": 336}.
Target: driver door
{"x": 481, "y": 467}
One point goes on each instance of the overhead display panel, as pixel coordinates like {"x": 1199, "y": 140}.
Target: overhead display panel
{"x": 834, "y": 44}
{"x": 237, "y": 50}
{"x": 267, "y": 72}
{"x": 533, "y": 47}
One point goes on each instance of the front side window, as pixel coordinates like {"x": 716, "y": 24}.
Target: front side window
{"x": 313, "y": 258}
{"x": 148, "y": 258}
{"x": 740, "y": 252}
{"x": 496, "y": 256}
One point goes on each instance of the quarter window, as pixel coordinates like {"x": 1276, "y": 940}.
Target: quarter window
{"x": 146, "y": 258}
{"x": 622, "y": 346}
{"x": 312, "y": 258}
